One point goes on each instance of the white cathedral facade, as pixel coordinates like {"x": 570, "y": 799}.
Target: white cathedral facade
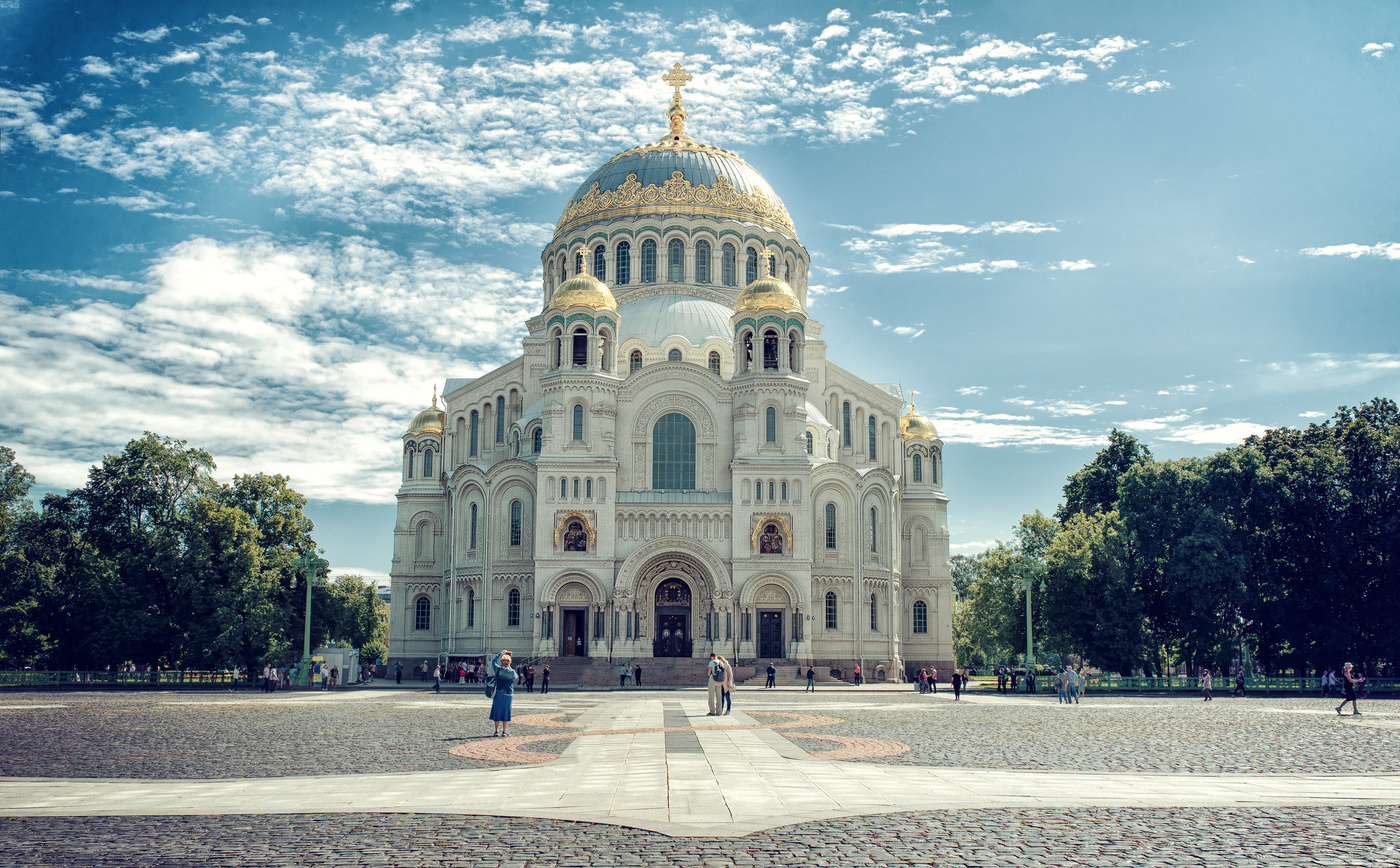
{"x": 673, "y": 466}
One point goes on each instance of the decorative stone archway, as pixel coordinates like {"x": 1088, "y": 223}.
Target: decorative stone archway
{"x": 677, "y": 562}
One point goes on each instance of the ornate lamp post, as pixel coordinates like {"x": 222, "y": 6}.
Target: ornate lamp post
{"x": 308, "y": 566}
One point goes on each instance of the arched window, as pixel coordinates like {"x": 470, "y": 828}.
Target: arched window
{"x": 871, "y": 453}
{"x": 748, "y": 352}
{"x": 422, "y": 614}
{"x": 674, "y": 355}
{"x": 794, "y": 363}
{"x": 603, "y": 363}
{"x": 649, "y": 261}
{"x": 846, "y": 423}
{"x": 563, "y": 488}
{"x": 634, "y": 361}
{"x": 427, "y": 463}
{"x": 933, "y": 467}
{"x": 831, "y": 610}
{"x": 471, "y": 536}
{"x": 758, "y": 491}
{"x": 538, "y": 439}
{"x": 770, "y": 417}
{"x": 702, "y": 262}
{"x": 578, "y": 262}
{"x": 873, "y": 535}
{"x": 580, "y": 354}
{"x": 675, "y": 260}
{"x": 475, "y": 434}
{"x": 471, "y": 607}
{"x": 576, "y": 488}
{"x": 874, "y": 614}
{"x": 770, "y": 350}
{"x": 500, "y": 419}
{"x": 831, "y": 526}
{"x": 918, "y": 467}
{"x": 673, "y": 453}
{"x": 424, "y": 543}
{"x": 770, "y": 490}
{"x": 784, "y": 489}
{"x": 563, "y": 272}
{"x": 751, "y": 266}
{"x": 410, "y": 462}
{"x": 578, "y": 421}
{"x": 727, "y": 266}
{"x": 600, "y": 262}
{"x": 623, "y": 267}
{"x": 513, "y": 608}
{"x": 920, "y": 616}
{"x": 515, "y": 522}
{"x": 588, "y": 488}
{"x": 714, "y": 362}
{"x": 809, "y": 442}
{"x": 787, "y": 273}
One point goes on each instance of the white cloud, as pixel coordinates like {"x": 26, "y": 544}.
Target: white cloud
{"x": 1245, "y": 260}
{"x": 1160, "y": 423}
{"x": 153, "y": 35}
{"x": 838, "y": 14}
{"x": 1139, "y": 84}
{"x": 1075, "y": 265}
{"x": 1312, "y": 414}
{"x": 973, "y": 547}
{"x": 1222, "y": 434}
{"x": 1377, "y": 49}
{"x": 972, "y": 390}
{"x": 1388, "y": 250}
{"x": 298, "y": 358}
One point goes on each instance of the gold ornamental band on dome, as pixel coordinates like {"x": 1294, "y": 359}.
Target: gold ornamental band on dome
{"x": 720, "y": 200}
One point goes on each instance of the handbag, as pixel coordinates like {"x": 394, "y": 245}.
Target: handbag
{"x": 491, "y": 688}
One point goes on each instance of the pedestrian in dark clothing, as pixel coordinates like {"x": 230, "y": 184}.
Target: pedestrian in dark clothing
{"x": 772, "y": 676}
{"x": 544, "y": 680}
{"x": 957, "y": 686}
{"x": 637, "y": 677}
{"x": 398, "y": 673}
{"x": 1239, "y": 684}
{"x": 1349, "y": 683}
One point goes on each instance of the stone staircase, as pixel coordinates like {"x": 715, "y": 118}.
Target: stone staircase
{"x": 593, "y": 673}
{"x": 791, "y": 673}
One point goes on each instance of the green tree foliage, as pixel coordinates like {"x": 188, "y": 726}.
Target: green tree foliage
{"x": 155, "y": 562}
{"x": 359, "y": 618}
{"x": 1094, "y": 488}
{"x": 989, "y": 623}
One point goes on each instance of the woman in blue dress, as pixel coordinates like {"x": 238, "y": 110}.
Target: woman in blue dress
{"x": 504, "y": 679}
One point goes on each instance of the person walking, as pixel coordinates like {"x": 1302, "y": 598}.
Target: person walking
{"x": 772, "y": 677}
{"x": 957, "y": 685}
{"x": 811, "y": 680}
{"x": 398, "y": 672}
{"x": 1349, "y": 685}
{"x": 504, "y": 677}
{"x": 933, "y": 679}
{"x": 1205, "y": 685}
{"x": 544, "y": 680}
{"x": 437, "y": 679}
{"x": 622, "y": 675}
{"x": 1239, "y": 684}
{"x": 728, "y": 684}
{"x": 714, "y": 680}
{"x": 637, "y": 676}
{"x": 857, "y": 675}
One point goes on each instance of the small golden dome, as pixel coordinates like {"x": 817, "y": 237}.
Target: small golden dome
{"x": 430, "y": 421}
{"x": 583, "y": 290}
{"x": 914, "y": 426}
{"x": 767, "y": 293}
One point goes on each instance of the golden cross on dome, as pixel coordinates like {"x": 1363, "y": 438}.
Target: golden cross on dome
{"x": 677, "y": 78}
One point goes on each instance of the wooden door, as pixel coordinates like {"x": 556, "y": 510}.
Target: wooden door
{"x": 770, "y": 635}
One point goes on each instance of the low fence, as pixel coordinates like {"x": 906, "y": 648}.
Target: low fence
{"x": 1281, "y": 685}
{"x": 166, "y": 679}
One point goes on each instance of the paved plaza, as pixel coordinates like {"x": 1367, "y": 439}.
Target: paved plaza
{"x": 643, "y": 777}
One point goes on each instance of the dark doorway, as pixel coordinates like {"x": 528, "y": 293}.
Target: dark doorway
{"x": 672, "y": 620}
{"x": 770, "y": 635}
{"x": 575, "y": 624}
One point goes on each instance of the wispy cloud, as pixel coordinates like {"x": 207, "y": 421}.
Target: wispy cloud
{"x": 1377, "y": 49}
{"x": 1387, "y": 250}
{"x": 1139, "y": 84}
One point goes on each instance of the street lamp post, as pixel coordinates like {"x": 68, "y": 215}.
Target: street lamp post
{"x": 308, "y": 565}
{"x": 1028, "y": 579}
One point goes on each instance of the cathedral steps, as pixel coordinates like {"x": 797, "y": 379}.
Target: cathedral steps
{"x": 790, "y": 673}
{"x": 591, "y": 672}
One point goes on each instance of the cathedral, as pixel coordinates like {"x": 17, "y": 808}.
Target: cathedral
{"x": 674, "y": 466}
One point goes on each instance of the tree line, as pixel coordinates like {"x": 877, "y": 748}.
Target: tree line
{"x": 1286, "y": 547}
{"x": 154, "y": 562}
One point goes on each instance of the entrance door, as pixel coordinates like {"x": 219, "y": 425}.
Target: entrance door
{"x": 672, "y": 620}
{"x": 575, "y": 634}
{"x": 770, "y": 635}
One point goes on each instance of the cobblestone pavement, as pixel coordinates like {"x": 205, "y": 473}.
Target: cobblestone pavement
{"x": 249, "y": 735}
{"x": 1108, "y": 733}
{"x": 1366, "y": 836}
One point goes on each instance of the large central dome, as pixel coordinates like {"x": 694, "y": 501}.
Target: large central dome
{"x": 676, "y": 175}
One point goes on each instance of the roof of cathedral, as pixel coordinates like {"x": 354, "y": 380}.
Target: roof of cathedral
{"x": 583, "y": 290}
{"x": 676, "y": 175}
{"x": 661, "y": 316}
{"x": 913, "y": 425}
{"x": 429, "y": 421}
{"x": 767, "y": 293}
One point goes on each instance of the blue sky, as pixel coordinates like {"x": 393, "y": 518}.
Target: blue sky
{"x": 269, "y": 229}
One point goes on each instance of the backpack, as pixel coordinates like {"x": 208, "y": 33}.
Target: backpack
{"x": 717, "y": 672}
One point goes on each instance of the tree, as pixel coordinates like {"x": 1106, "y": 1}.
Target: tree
{"x": 1094, "y": 488}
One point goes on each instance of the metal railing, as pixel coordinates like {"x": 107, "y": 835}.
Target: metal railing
{"x": 165, "y": 679}
{"x": 1283, "y": 685}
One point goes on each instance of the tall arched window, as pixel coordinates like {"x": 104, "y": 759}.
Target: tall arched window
{"x": 471, "y": 535}
{"x": 728, "y": 266}
{"x": 563, "y": 488}
{"x": 920, "y": 616}
{"x": 794, "y": 363}
{"x": 578, "y": 262}
{"x": 513, "y": 608}
{"x": 422, "y": 614}
{"x": 758, "y": 490}
{"x": 831, "y": 526}
{"x": 673, "y": 453}
{"x": 538, "y": 440}
{"x": 623, "y": 267}
{"x": 675, "y": 260}
{"x": 714, "y": 362}
{"x": 475, "y": 433}
{"x": 751, "y": 266}
{"x": 809, "y": 442}
{"x": 918, "y": 467}
{"x": 501, "y": 419}
{"x": 411, "y": 459}
{"x": 933, "y": 467}
{"x": 634, "y": 361}
{"x": 874, "y": 613}
{"x": 674, "y": 355}
{"x": 787, "y": 273}
{"x": 874, "y": 536}
{"x": 515, "y": 522}
{"x": 702, "y": 262}
{"x": 770, "y": 490}
{"x": 578, "y": 421}
{"x": 588, "y": 488}
{"x": 576, "y": 488}
{"x": 600, "y": 262}
{"x": 563, "y": 271}
{"x": 649, "y": 261}
{"x": 471, "y": 607}
{"x": 871, "y": 453}
{"x": 424, "y": 543}
{"x": 427, "y": 463}
{"x": 831, "y": 610}
{"x": 846, "y": 423}
{"x": 747, "y": 357}
{"x": 580, "y": 353}
{"x": 770, "y": 421}
{"x": 784, "y": 489}
{"x": 770, "y": 350}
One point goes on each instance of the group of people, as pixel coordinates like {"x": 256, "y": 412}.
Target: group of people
{"x": 927, "y": 680}
{"x": 477, "y": 674}
{"x": 720, "y": 680}
{"x": 629, "y": 675}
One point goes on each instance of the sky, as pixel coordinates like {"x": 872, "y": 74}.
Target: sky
{"x": 270, "y": 229}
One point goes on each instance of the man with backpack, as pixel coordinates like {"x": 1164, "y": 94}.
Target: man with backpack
{"x": 714, "y": 678}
